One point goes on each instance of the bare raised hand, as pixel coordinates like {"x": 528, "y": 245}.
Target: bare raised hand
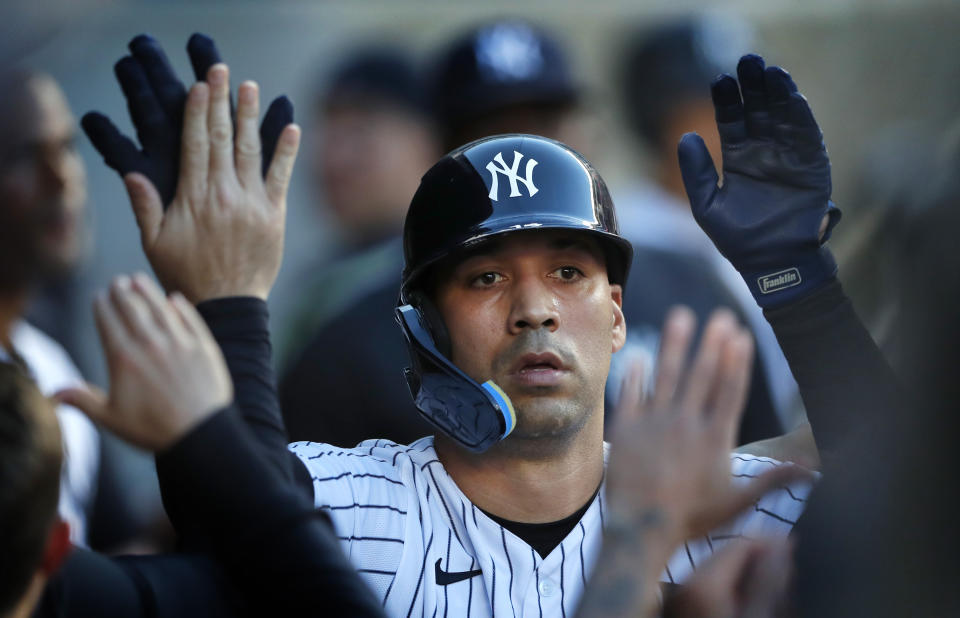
{"x": 223, "y": 233}
{"x": 671, "y": 453}
{"x": 167, "y": 374}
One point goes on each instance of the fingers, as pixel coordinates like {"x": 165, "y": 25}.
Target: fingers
{"x": 631, "y": 401}
{"x": 766, "y": 584}
{"x": 278, "y": 116}
{"x": 203, "y": 54}
{"x": 145, "y": 110}
{"x": 118, "y": 152}
{"x": 671, "y": 360}
{"x": 219, "y": 124}
{"x": 147, "y": 206}
{"x": 750, "y": 71}
{"x": 728, "y": 397}
{"x": 163, "y": 80}
{"x": 721, "y": 327}
{"x": 728, "y": 109}
{"x": 164, "y": 315}
{"x": 779, "y": 88}
{"x": 195, "y": 154}
{"x": 247, "y": 148}
{"x": 278, "y": 176}
{"x": 698, "y": 172}
{"x": 188, "y": 315}
{"x": 132, "y": 310}
{"x": 113, "y": 335}
{"x": 89, "y": 399}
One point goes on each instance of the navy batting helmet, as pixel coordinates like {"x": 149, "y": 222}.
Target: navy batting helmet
{"x": 494, "y": 186}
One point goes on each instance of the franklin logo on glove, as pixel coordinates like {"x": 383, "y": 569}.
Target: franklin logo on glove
{"x": 779, "y": 281}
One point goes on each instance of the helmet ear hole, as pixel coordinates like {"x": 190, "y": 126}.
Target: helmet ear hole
{"x": 434, "y": 322}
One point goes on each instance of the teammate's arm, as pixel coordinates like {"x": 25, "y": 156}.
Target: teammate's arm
{"x": 771, "y": 218}
{"x": 170, "y": 392}
{"x": 669, "y": 475}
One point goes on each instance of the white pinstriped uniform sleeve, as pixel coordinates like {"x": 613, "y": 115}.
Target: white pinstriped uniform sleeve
{"x": 426, "y": 550}
{"x": 774, "y": 515}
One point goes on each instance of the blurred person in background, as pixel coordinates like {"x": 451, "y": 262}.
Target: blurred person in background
{"x": 42, "y": 198}
{"x": 664, "y": 73}
{"x": 375, "y": 138}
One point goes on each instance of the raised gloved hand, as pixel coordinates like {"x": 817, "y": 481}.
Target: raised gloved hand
{"x": 773, "y": 213}
{"x": 155, "y": 98}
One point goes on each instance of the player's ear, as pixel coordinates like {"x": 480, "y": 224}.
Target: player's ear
{"x": 619, "y": 325}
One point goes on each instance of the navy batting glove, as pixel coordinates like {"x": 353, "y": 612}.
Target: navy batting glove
{"x": 155, "y": 99}
{"x": 776, "y": 188}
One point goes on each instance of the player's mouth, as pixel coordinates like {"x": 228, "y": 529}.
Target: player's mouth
{"x": 538, "y": 369}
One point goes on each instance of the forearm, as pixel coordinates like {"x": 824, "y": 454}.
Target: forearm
{"x": 240, "y": 327}
{"x": 846, "y": 384}
{"x": 289, "y": 556}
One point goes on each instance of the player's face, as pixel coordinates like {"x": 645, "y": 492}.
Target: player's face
{"x": 369, "y": 161}
{"x": 535, "y": 313}
{"x": 42, "y": 181}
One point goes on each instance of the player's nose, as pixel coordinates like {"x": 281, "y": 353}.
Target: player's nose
{"x": 532, "y": 306}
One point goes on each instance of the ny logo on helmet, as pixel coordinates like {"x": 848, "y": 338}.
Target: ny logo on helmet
{"x": 511, "y": 174}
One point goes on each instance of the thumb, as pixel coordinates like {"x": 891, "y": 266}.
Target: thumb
{"x": 698, "y": 172}
{"x": 147, "y": 206}
{"x": 89, "y": 399}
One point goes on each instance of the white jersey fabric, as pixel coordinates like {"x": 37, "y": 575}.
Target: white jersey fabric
{"x": 52, "y": 370}
{"x": 404, "y": 523}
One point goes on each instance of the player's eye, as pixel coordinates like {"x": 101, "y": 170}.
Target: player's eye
{"x": 487, "y": 279}
{"x": 568, "y": 273}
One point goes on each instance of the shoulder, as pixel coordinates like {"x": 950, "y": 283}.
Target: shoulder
{"x": 778, "y": 510}
{"x": 50, "y": 364}
{"x": 372, "y": 467}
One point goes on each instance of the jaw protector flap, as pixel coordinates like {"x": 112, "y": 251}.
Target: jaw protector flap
{"x": 476, "y": 416}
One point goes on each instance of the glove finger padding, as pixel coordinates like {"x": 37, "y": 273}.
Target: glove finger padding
{"x": 278, "y": 116}
{"x": 118, "y": 151}
{"x": 145, "y": 111}
{"x": 728, "y": 109}
{"x": 203, "y": 54}
{"x": 169, "y": 91}
{"x": 750, "y": 71}
{"x": 155, "y": 100}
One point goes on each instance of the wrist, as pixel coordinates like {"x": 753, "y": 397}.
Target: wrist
{"x": 787, "y": 282}
{"x": 191, "y": 424}
{"x": 651, "y": 527}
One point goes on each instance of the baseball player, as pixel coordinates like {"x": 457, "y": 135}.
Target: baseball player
{"x": 510, "y": 304}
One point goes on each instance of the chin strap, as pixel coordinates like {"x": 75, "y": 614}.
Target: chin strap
{"x": 475, "y": 415}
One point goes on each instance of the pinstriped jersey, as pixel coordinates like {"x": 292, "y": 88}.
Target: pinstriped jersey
{"x": 426, "y": 550}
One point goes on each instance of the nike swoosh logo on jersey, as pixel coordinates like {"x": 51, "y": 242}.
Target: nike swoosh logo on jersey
{"x": 445, "y": 579}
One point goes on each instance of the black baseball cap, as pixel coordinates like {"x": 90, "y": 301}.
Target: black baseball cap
{"x": 377, "y": 73}
{"x": 676, "y": 61}
{"x": 498, "y": 65}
